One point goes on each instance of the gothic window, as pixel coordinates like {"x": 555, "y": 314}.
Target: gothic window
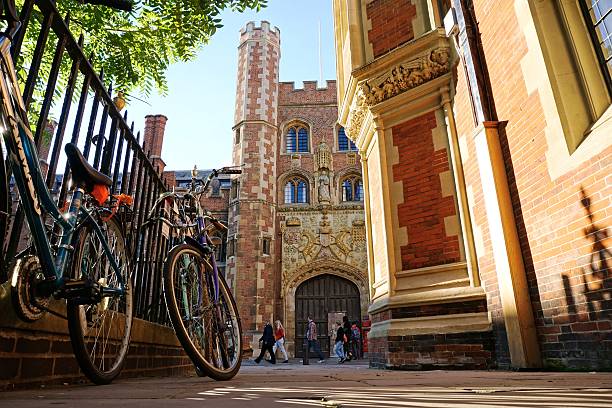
{"x": 297, "y": 139}
{"x": 598, "y": 17}
{"x": 352, "y": 189}
{"x": 235, "y": 189}
{"x": 296, "y": 191}
{"x": 265, "y": 246}
{"x": 237, "y": 136}
{"x": 216, "y": 188}
{"x": 231, "y": 246}
{"x": 344, "y": 143}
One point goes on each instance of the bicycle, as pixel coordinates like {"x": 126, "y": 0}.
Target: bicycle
{"x": 201, "y": 307}
{"x": 89, "y": 267}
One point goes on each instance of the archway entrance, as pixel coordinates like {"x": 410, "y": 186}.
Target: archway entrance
{"x": 316, "y": 298}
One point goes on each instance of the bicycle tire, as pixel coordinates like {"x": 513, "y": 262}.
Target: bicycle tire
{"x": 214, "y": 350}
{"x": 87, "y": 322}
{"x": 4, "y": 204}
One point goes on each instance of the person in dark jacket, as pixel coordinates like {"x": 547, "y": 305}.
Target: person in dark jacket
{"x": 346, "y": 325}
{"x": 267, "y": 342}
{"x": 339, "y": 349}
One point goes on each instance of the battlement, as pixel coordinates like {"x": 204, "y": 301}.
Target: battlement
{"x": 253, "y": 31}
{"x": 288, "y": 93}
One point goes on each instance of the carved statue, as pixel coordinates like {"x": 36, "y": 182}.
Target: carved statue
{"x": 324, "y": 195}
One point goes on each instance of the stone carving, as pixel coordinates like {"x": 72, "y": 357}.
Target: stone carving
{"x": 324, "y": 157}
{"x": 310, "y": 237}
{"x": 407, "y": 76}
{"x": 357, "y": 115}
{"x": 401, "y": 78}
{"x": 324, "y": 194}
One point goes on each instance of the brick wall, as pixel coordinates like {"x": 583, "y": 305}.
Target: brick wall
{"x": 41, "y": 353}
{"x": 466, "y": 350}
{"x": 424, "y": 207}
{"x": 252, "y": 217}
{"x": 570, "y": 294}
{"x": 391, "y": 22}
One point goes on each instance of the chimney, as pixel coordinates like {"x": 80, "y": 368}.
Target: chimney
{"x": 155, "y": 125}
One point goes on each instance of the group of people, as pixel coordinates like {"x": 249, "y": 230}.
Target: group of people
{"x": 348, "y": 341}
{"x": 347, "y": 345}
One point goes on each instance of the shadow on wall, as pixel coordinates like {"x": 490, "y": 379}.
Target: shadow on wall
{"x": 589, "y": 336}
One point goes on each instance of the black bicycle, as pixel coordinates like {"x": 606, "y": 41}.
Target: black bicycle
{"x": 200, "y": 304}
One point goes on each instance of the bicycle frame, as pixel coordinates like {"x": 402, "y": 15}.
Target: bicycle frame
{"x": 202, "y": 238}
{"x": 36, "y": 200}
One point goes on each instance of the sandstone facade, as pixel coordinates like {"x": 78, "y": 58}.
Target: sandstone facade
{"x": 485, "y": 137}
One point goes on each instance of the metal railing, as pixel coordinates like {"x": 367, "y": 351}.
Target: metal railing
{"x": 114, "y": 150}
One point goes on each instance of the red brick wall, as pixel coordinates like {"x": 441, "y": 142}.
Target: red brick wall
{"x": 319, "y": 108}
{"x": 256, "y": 111}
{"x": 31, "y": 358}
{"x": 570, "y": 295}
{"x": 424, "y": 208}
{"x": 468, "y": 350}
{"x": 391, "y": 24}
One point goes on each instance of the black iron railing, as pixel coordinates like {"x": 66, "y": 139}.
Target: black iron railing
{"x": 108, "y": 142}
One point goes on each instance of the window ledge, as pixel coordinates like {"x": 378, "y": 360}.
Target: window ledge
{"x": 596, "y": 140}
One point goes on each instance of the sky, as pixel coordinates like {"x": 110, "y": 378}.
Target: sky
{"x": 201, "y": 93}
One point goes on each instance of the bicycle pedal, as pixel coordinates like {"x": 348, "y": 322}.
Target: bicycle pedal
{"x": 81, "y": 291}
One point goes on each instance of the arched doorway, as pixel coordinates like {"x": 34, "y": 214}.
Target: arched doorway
{"x": 319, "y": 296}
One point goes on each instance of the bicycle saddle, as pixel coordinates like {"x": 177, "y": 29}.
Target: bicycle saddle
{"x": 83, "y": 174}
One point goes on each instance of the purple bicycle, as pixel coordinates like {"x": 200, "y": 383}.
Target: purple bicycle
{"x": 201, "y": 307}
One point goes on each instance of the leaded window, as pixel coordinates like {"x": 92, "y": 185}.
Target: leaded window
{"x": 296, "y": 191}
{"x": 598, "y": 17}
{"x": 352, "y": 189}
{"x": 297, "y": 139}
{"x": 344, "y": 143}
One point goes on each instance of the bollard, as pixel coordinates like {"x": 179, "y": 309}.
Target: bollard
{"x": 306, "y": 349}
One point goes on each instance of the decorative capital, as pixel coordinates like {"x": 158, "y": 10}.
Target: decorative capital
{"x": 401, "y": 78}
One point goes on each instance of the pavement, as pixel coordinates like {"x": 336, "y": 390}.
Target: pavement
{"x": 331, "y": 385}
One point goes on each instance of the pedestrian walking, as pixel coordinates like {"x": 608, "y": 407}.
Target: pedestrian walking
{"x": 339, "y": 347}
{"x": 267, "y": 342}
{"x": 356, "y": 346}
{"x": 311, "y": 336}
{"x": 346, "y": 325}
{"x": 279, "y": 336}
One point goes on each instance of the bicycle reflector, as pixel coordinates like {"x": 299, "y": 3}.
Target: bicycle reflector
{"x": 100, "y": 192}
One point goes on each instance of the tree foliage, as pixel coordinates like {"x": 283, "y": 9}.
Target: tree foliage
{"x": 136, "y": 48}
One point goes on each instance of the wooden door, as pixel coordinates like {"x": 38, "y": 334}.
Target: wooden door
{"x": 319, "y": 296}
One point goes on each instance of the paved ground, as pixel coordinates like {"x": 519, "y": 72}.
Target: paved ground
{"x": 331, "y": 385}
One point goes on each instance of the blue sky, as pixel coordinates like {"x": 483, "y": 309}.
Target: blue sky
{"x": 200, "y": 100}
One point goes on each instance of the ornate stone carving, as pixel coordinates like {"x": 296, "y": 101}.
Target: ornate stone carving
{"x": 406, "y": 76}
{"x": 357, "y": 115}
{"x": 324, "y": 194}
{"x": 311, "y": 237}
{"x": 399, "y": 79}
{"x": 323, "y": 157}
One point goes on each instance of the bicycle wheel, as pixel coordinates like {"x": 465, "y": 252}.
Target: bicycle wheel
{"x": 4, "y": 203}
{"x": 100, "y": 332}
{"x": 209, "y": 332}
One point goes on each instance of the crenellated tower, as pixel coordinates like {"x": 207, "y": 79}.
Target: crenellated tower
{"x": 251, "y": 270}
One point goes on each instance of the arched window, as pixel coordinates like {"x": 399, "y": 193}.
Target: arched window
{"x": 344, "y": 143}
{"x": 296, "y": 191}
{"x": 297, "y": 139}
{"x": 352, "y": 189}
